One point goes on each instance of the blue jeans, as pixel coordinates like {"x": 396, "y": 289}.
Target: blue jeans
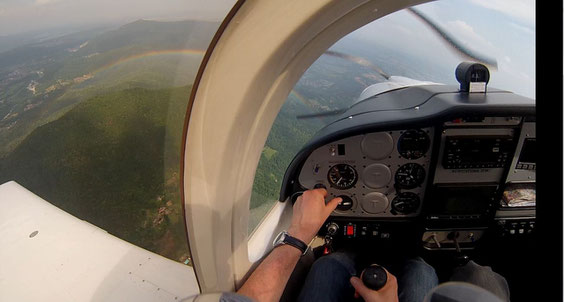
{"x": 328, "y": 279}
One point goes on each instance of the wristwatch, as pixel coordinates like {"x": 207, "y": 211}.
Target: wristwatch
{"x": 285, "y": 238}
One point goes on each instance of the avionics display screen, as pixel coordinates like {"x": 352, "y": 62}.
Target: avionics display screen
{"x": 477, "y": 152}
{"x": 463, "y": 200}
{"x": 528, "y": 152}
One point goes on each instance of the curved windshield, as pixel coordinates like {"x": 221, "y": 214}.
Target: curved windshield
{"x": 418, "y": 45}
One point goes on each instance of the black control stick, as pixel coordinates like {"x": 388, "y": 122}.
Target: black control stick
{"x": 374, "y": 277}
{"x": 460, "y": 259}
{"x": 317, "y": 186}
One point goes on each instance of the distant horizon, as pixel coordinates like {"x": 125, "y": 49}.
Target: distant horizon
{"x": 13, "y": 41}
{"x": 92, "y": 26}
{"x": 28, "y": 17}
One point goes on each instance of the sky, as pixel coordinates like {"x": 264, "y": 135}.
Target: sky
{"x": 503, "y": 29}
{"x": 20, "y": 16}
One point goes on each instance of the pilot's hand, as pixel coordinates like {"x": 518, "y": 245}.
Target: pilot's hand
{"x": 310, "y": 212}
{"x": 388, "y": 293}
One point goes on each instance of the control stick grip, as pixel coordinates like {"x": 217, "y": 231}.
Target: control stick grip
{"x": 374, "y": 277}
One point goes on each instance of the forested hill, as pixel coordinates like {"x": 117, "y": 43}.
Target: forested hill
{"x": 113, "y": 161}
{"x": 41, "y": 81}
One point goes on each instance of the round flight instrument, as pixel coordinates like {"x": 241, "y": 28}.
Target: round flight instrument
{"x": 405, "y": 203}
{"x": 374, "y": 203}
{"x": 377, "y": 145}
{"x": 376, "y": 176}
{"x": 342, "y": 176}
{"x": 413, "y": 144}
{"x": 410, "y": 176}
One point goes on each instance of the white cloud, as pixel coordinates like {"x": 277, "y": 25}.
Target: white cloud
{"x": 468, "y": 36}
{"x": 522, "y": 28}
{"x": 523, "y": 10}
{"x": 403, "y": 30}
{"x": 43, "y": 2}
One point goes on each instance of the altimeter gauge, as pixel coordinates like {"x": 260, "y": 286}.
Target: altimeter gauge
{"x": 410, "y": 176}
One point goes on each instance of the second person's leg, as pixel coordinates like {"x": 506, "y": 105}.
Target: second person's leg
{"x": 415, "y": 279}
{"x": 329, "y": 279}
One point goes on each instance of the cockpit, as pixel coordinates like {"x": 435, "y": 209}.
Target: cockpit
{"x": 188, "y": 143}
{"x": 432, "y": 170}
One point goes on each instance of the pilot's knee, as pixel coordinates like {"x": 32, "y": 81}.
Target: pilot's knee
{"x": 418, "y": 267}
{"x": 473, "y": 270}
{"x": 335, "y": 262}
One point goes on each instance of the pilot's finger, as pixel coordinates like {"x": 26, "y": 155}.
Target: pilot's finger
{"x": 391, "y": 278}
{"x": 321, "y": 190}
{"x": 360, "y": 288}
{"x": 333, "y": 203}
{"x": 391, "y": 283}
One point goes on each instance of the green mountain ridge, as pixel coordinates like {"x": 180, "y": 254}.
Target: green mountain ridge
{"x": 73, "y": 68}
{"x": 113, "y": 161}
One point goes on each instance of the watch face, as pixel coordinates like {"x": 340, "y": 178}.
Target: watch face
{"x": 279, "y": 239}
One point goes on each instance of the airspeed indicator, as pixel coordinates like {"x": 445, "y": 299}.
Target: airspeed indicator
{"x": 342, "y": 176}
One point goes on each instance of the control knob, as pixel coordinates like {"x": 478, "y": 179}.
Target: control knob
{"x": 346, "y": 204}
{"x": 374, "y": 277}
{"x": 332, "y": 228}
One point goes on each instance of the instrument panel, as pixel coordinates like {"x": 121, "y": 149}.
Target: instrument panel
{"x": 381, "y": 174}
{"x": 434, "y": 164}
{"x": 386, "y": 174}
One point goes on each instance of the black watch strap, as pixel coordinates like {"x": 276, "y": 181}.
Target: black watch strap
{"x": 293, "y": 241}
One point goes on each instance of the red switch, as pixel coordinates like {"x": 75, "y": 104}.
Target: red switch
{"x": 350, "y": 230}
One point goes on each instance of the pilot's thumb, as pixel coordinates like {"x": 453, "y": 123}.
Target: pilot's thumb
{"x": 360, "y": 288}
{"x": 334, "y": 203}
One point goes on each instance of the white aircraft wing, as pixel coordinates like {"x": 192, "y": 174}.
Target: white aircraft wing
{"x": 47, "y": 254}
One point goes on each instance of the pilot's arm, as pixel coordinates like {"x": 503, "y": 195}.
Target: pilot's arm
{"x": 268, "y": 281}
